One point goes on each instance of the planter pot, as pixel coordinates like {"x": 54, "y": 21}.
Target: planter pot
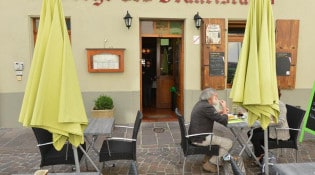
{"x": 108, "y": 113}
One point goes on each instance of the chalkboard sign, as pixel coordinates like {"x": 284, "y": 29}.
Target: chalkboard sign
{"x": 309, "y": 121}
{"x": 216, "y": 60}
{"x": 283, "y": 62}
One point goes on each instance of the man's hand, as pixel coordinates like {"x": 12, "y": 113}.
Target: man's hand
{"x": 225, "y": 110}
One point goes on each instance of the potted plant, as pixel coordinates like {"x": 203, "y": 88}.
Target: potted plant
{"x": 103, "y": 107}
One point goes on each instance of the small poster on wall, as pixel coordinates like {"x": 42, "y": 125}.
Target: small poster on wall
{"x": 213, "y": 34}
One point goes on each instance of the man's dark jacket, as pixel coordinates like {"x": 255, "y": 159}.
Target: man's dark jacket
{"x": 203, "y": 116}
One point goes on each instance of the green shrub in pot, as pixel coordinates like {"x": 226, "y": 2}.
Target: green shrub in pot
{"x": 103, "y": 107}
{"x": 103, "y": 102}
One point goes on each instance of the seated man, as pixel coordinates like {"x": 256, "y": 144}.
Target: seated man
{"x": 258, "y": 133}
{"x": 203, "y": 116}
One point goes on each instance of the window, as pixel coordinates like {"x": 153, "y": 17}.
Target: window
{"x": 287, "y": 36}
{"x": 35, "y": 22}
{"x": 236, "y": 30}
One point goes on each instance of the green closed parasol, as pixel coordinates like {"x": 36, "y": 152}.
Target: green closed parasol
{"x": 255, "y": 82}
{"x": 52, "y": 99}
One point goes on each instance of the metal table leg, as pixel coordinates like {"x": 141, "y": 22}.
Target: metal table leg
{"x": 244, "y": 144}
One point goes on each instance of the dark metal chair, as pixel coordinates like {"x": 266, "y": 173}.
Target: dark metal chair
{"x": 190, "y": 149}
{"x": 116, "y": 148}
{"x": 49, "y": 155}
{"x": 294, "y": 117}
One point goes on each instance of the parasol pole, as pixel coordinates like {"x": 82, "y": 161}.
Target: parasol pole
{"x": 266, "y": 152}
{"x": 76, "y": 159}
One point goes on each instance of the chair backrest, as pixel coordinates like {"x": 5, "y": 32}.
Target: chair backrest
{"x": 294, "y": 117}
{"x": 183, "y": 131}
{"x": 43, "y": 136}
{"x": 49, "y": 155}
{"x": 137, "y": 124}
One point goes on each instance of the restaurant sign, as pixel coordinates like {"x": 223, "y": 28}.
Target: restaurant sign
{"x": 223, "y": 2}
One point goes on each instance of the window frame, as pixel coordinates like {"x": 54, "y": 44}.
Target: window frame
{"x": 35, "y": 26}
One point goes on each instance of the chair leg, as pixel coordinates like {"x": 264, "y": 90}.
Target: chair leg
{"x": 184, "y": 166}
{"x": 102, "y": 165}
{"x": 296, "y": 155}
{"x": 218, "y": 168}
{"x": 133, "y": 169}
{"x": 180, "y": 156}
{"x": 86, "y": 164}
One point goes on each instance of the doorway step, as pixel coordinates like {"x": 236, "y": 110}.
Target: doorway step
{"x": 158, "y": 115}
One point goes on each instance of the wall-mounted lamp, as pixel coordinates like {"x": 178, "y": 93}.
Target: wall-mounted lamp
{"x": 198, "y": 20}
{"x": 128, "y": 20}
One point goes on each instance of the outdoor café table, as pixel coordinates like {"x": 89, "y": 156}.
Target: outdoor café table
{"x": 236, "y": 126}
{"x": 95, "y": 128}
{"x": 307, "y": 168}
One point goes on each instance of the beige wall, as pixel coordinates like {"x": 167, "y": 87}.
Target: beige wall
{"x": 91, "y": 25}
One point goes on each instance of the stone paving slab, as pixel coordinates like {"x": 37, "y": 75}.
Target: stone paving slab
{"x": 158, "y": 152}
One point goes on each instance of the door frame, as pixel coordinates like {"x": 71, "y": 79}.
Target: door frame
{"x": 180, "y": 91}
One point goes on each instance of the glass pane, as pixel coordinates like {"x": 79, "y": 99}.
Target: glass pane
{"x": 36, "y": 24}
{"x": 234, "y": 49}
{"x": 147, "y": 27}
{"x": 105, "y": 61}
{"x": 68, "y": 22}
{"x": 176, "y": 27}
{"x": 165, "y": 42}
{"x": 165, "y": 61}
{"x": 176, "y": 63}
{"x": 161, "y": 27}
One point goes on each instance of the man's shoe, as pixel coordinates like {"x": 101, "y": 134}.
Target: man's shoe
{"x": 206, "y": 158}
{"x": 210, "y": 167}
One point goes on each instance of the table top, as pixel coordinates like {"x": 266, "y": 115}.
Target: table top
{"x": 295, "y": 168}
{"x": 240, "y": 123}
{"x": 100, "y": 126}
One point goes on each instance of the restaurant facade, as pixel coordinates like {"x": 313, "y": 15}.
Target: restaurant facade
{"x": 110, "y": 56}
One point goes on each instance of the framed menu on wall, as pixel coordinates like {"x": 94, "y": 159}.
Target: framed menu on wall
{"x": 105, "y": 60}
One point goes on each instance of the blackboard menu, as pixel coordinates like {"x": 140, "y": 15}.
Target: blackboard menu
{"x": 216, "y": 63}
{"x": 309, "y": 121}
{"x": 283, "y": 62}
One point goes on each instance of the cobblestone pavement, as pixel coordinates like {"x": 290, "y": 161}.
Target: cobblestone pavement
{"x": 158, "y": 152}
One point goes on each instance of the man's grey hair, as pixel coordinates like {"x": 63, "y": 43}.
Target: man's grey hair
{"x": 206, "y": 94}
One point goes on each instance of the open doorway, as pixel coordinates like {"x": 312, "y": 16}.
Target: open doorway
{"x": 160, "y": 77}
